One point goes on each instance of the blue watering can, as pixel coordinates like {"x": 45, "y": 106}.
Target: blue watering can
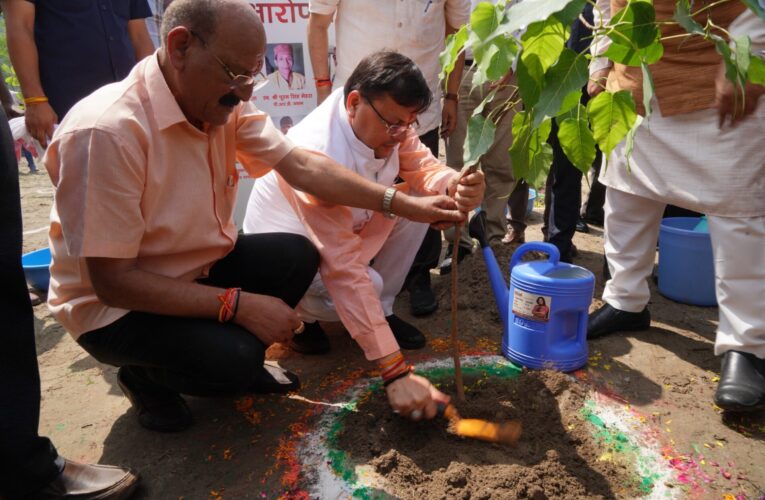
{"x": 544, "y": 311}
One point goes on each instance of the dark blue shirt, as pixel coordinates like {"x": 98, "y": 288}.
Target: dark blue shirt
{"x": 83, "y": 45}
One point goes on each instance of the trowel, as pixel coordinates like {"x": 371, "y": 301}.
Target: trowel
{"x": 505, "y": 432}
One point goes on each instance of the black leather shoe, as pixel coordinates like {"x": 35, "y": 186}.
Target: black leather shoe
{"x": 274, "y": 379}
{"x": 742, "y": 382}
{"x": 90, "y": 482}
{"x": 313, "y": 340}
{"x": 446, "y": 265}
{"x": 158, "y": 409}
{"x": 422, "y": 299}
{"x": 607, "y": 320}
{"x": 407, "y": 336}
{"x": 582, "y": 227}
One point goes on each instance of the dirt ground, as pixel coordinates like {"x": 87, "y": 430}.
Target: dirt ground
{"x": 249, "y": 448}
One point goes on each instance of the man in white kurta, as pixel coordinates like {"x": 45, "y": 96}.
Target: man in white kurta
{"x": 683, "y": 157}
{"x": 368, "y": 127}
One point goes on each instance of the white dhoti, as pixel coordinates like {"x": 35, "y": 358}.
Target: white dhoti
{"x": 687, "y": 161}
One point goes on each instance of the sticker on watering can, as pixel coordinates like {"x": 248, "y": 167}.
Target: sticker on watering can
{"x": 531, "y": 306}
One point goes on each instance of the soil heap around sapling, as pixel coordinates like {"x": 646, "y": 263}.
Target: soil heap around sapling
{"x": 556, "y": 457}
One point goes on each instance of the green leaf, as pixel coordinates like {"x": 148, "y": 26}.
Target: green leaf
{"x": 743, "y": 56}
{"x": 634, "y": 25}
{"x": 484, "y": 19}
{"x": 525, "y": 13}
{"x": 756, "y": 70}
{"x": 530, "y": 154}
{"x": 731, "y": 71}
{"x": 567, "y": 75}
{"x": 570, "y": 102}
{"x": 480, "y": 136}
{"x": 570, "y": 12}
{"x": 611, "y": 117}
{"x": 576, "y": 139}
{"x": 449, "y": 56}
{"x": 634, "y": 57}
{"x": 684, "y": 19}
{"x": 649, "y": 89}
{"x": 529, "y": 75}
{"x": 545, "y": 40}
{"x": 486, "y": 100}
{"x": 630, "y": 144}
{"x": 495, "y": 61}
{"x": 756, "y": 6}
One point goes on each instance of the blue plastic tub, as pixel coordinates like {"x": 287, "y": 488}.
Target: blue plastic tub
{"x": 686, "y": 265}
{"x": 36, "y": 268}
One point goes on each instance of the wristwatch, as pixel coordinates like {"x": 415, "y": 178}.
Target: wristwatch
{"x": 387, "y": 202}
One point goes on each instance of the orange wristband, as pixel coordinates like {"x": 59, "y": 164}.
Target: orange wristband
{"x": 35, "y": 100}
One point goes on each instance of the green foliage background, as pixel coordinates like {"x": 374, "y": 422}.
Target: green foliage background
{"x": 550, "y": 76}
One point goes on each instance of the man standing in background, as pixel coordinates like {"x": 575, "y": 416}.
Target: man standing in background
{"x": 416, "y": 29}
{"x": 62, "y": 52}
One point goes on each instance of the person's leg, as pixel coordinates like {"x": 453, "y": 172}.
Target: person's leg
{"x": 421, "y": 297}
{"x": 30, "y": 159}
{"x": 163, "y": 355}
{"x": 563, "y": 197}
{"x": 516, "y": 213}
{"x": 631, "y": 231}
{"x": 26, "y": 459}
{"x": 391, "y": 263}
{"x": 594, "y": 195}
{"x": 737, "y": 244}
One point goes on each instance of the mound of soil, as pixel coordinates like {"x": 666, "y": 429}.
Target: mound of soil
{"x": 556, "y": 457}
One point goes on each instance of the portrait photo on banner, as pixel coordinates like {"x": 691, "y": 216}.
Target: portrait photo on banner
{"x": 285, "y": 66}
{"x": 285, "y": 122}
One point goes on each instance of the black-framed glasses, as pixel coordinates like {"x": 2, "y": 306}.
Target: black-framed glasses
{"x": 394, "y": 129}
{"x": 256, "y": 80}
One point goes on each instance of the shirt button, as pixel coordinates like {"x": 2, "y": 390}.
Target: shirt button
{"x": 111, "y": 38}
{"x": 103, "y": 7}
{"x": 400, "y": 24}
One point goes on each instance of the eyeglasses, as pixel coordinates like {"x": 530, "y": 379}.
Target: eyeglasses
{"x": 394, "y": 130}
{"x": 256, "y": 80}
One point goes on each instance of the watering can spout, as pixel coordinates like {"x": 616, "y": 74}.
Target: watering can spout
{"x": 477, "y": 230}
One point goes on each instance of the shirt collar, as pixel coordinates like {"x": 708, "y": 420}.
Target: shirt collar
{"x": 167, "y": 112}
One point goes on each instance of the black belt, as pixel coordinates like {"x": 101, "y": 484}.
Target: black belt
{"x": 468, "y": 62}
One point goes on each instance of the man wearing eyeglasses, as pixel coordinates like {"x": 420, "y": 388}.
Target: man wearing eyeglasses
{"x": 370, "y": 127}
{"x": 148, "y": 271}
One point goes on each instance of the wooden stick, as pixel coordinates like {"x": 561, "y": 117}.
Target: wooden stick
{"x": 455, "y": 344}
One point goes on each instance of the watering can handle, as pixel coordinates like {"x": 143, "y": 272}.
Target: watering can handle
{"x": 539, "y": 246}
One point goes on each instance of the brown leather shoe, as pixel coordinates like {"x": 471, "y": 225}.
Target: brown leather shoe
{"x": 90, "y": 482}
{"x": 512, "y": 236}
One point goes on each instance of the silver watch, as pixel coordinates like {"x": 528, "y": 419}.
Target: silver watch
{"x": 388, "y": 201}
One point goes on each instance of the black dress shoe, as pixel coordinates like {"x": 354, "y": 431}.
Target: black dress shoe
{"x": 446, "y": 265}
{"x": 742, "y": 382}
{"x": 422, "y": 299}
{"x": 407, "y": 336}
{"x": 90, "y": 482}
{"x": 607, "y": 320}
{"x": 158, "y": 409}
{"x": 274, "y": 379}
{"x": 313, "y": 340}
{"x": 582, "y": 227}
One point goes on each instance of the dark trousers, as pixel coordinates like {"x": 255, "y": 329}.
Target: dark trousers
{"x": 430, "y": 249}
{"x": 203, "y": 357}
{"x": 28, "y": 462}
{"x": 562, "y": 199}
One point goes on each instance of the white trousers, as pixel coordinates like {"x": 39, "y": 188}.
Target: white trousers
{"x": 387, "y": 273}
{"x": 738, "y": 245}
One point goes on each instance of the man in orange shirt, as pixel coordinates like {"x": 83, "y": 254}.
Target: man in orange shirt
{"x": 148, "y": 273}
